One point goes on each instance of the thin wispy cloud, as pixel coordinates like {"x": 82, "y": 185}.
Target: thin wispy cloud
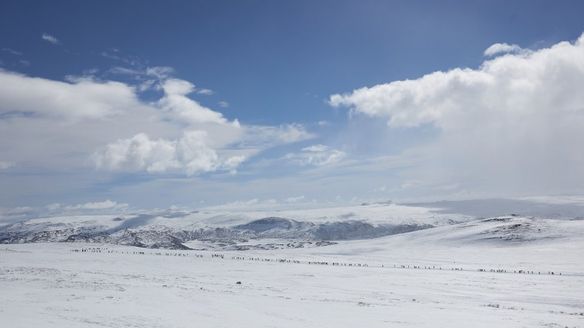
{"x": 120, "y": 56}
{"x": 316, "y": 155}
{"x": 205, "y": 92}
{"x": 12, "y": 51}
{"x": 50, "y": 38}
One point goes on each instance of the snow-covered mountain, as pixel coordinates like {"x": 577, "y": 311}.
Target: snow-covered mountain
{"x": 174, "y": 237}
{"x": 269, "y": 229}
{"x": 228, "y": 228}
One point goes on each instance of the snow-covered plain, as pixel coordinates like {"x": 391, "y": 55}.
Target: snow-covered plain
{"x": 439, "y": 277}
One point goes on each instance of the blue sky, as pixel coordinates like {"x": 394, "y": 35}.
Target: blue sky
{"x": 258, "y": 119}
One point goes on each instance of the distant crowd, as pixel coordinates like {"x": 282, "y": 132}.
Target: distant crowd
{"x": 295, "y": 261}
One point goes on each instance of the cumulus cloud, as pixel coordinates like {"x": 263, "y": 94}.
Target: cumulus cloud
{"x": 316, "y": 155}
{"x": 56, "y": 125}
{"x": 190, "y": 154}
{"x": 60, "y": 124}
{"x": 515, "y": 122}
{"x": 197, "y": 152}
{"x": 50, "y": 39}
{"x": 72, "y": 134}
{"x": 502, "y": 48}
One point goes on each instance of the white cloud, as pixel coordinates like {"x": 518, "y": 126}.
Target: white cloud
{"x": 178, "y": 87}
{"x": 316, "y": 155}
{"x": 52, "y": 125}
{"x": 149, "y": 78}
{"x": 151, "y": 75}
{"x": 60, "y": 124}
{"x": 119, "y": 56}
{"x": 294, "y": 199}
{"x": 53, "y": 207}
{"x": 138, "y": 153}
{"x": 16, "y": 210}
{"x": 223, "y": 104}
{"x": 246, "y": 205}
{"x": 20, "y": 212}
{"x": 176, "y": 103}
{"x": 160, "y": 72}
{"x": 502, "y": 48}
{"x": 103, "y": 205}
{"x": 289, "y": 133}
{"x": 72, "y": 135}
{"x": 82, "y": 99}
{"x": 50, "y": 39}
{"x": 189, "y": 154}
{"x": 231, "y": 163}
{"x": 125, "y": 71}
{"x": 12, "y": 51}
{"x": 205, "y": 92}
{"x": 513, "y": 124}
{"x": 259, "y": 136}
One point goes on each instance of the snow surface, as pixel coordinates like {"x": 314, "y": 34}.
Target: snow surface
{"x": 462, "y": 275}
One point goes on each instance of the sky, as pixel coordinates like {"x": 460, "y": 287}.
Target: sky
{"x": 145, "y": 104}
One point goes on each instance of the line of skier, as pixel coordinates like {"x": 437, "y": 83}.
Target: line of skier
{"x": 294, "y": 261}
